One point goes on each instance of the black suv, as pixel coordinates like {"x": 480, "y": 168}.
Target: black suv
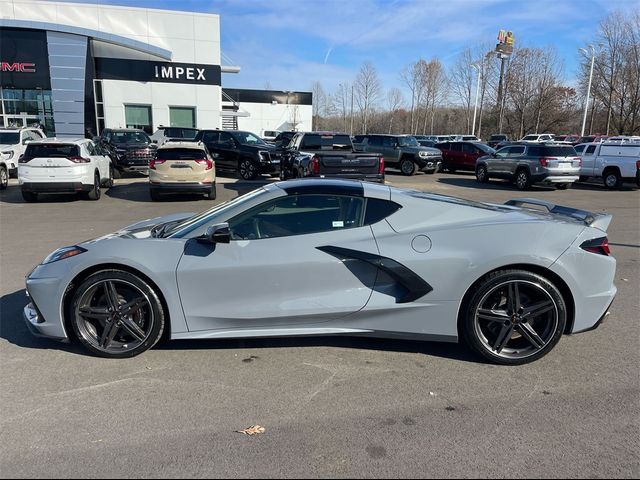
{"x": 240, "y": 151}
{"x": 131, "y": 148}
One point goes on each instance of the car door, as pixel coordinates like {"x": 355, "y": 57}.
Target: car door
{"x": 512, "y": 160}
{"x": 456, "y": 155}
{"x": 278, "y": 269}
{"x": 391, "y": 150}
{"x": 227, "y": 150}
{"x": 588, "y": 161}
{"x": 497, "y": 165}
{"x": 469, "y": 155}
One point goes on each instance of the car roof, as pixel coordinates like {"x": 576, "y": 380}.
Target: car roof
{"x": 62, "y": 141}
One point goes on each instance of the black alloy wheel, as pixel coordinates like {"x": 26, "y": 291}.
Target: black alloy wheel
{"x": 514, "y": 317}
{"x": 407, "y": 166}
{"x": 4, "y": 177}
{"x": 247, "y": 169}
{"x": 116, "y": 314}
{"x": 481, "y": 174}
{"x": 523, "y": 180}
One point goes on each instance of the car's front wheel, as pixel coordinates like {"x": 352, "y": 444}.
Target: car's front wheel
{"x": 481, "y": 174}
{"x": 407, "y": 166}
{"x": 117, "y": 314}
{"x": 212, "y": 193}
{"x": 247, "y": 169}
{"x": 612, "y": 179}
{"x": 523, "y": 180}
{"x": 4, "y": 177}
{"x": 513, "y": 317}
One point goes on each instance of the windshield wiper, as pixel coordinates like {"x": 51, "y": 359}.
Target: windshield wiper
{"x": 160, "y": 229}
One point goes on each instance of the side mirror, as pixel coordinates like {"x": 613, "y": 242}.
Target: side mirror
{"x": 215, "y": 155}
{"x": 494, "y": 155}
{"x": 216, "y": 234}
{"x": 26, "y": 141}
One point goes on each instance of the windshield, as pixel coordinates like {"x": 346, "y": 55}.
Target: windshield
{"x": 530, "y": 137}
{"x": 182, "y": 229}
{"x": 9, "y": 138}
{"x": 130, "y": 137}
{"x": 408, "y": 142}
{"x": 248, "y": 138}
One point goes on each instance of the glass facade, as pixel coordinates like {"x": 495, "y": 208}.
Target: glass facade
{"x": 182, "y": 117}
{"x": 139, "y": 116}
{"x": 26, "y": 107}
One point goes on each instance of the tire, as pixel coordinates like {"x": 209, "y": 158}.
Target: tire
{"x": 563, "y": 186}
{"x": 451, "y": 170}
{"x": 116, "y": 314}
{"x": 95, "y": 192}
{"x": 481, "y": 174}
{"x": 29, "y": 197}
{"x": 116, "y": 173}
{"x": 109, "y": 183}
{"x": 612, "y": 179}
{"x": 247, "y": 169}
{"x": 523, "y": 180}
{"x": 155, "y": 196}
{"x": 407, "y": 166}
{"x": 211, "y": 195}
{"x": 4, "y": 177}
{"x": 490, "y": 327}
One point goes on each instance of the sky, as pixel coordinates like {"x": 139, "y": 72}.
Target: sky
{"x": 290, "y": 44}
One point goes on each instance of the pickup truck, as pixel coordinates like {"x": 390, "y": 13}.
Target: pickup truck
{"x": 323, "y": 154}
{"x": 614, "y": 161}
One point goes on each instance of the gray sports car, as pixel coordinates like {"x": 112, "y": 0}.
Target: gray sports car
{"x": 335, "y": 257}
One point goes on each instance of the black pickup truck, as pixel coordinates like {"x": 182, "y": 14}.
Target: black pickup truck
{"x": 324, "y": 154}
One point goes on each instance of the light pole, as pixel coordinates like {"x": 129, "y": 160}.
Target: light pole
{"x": 477, "y": 68}
{"x": 586, "y": 103}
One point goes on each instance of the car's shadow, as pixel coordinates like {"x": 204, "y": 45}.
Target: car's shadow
{"x": 471, "y": 182}
{"x": 15, "y": 331}
{"x": 13, "y": 195}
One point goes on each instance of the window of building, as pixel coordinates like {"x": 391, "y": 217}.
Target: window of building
{"x": 182, "y": 117}
{"x": 139, "y": 116}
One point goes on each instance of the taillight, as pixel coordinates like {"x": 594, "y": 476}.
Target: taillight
{"x": 381, "y": 166}
{"x": 579, "y": 160}
{"x": 597, "y": 245}
{"x": 203, "y": 161}
{"x": 544, "y": 161}
{"x": 638, "y": 164}
{"x": 24, "y": 159}
{"x": 315, "y": 165}
{"x": 78, "y": 159}
{"x": 154, "y": 162}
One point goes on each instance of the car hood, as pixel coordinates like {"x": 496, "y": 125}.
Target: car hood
{"x": 133, "y": 146}
{"x": 142, "y": 228}
{"x": 267, "y": 147}
{"x": 7, "y": 145}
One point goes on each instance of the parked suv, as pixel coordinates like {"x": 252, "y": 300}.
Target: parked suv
{"x": 132, "y": 148}
{"x": 462, "y": 155}
{"x": 403, "y": 152}
{"x": 240, "y": 151}
{"x": 165, "y": 134}
{"x": 13, "y": 142}
{"x": 182, "y": 167}
{"x": 64, "y": 166}
{"x": 496, "y": 138}
{"x": 524, "y": 164}
{"x": 538, "y": 137}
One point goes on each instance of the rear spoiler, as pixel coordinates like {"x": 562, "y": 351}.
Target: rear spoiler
{"x": 600, "y": 221}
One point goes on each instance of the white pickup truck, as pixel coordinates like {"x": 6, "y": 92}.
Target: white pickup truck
{"x": 614, "y": 160}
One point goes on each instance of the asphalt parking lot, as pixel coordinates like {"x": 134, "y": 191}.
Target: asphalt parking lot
{"x": 332, "y": 407}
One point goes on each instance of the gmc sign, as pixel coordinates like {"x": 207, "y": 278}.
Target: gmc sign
{"x": 18, "y": 67}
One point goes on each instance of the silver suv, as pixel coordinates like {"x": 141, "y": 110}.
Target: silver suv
{"x": 525, "y": 164}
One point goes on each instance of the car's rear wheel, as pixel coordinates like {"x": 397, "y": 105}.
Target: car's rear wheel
{"x": 407, "y": 166}
{"x": 116, "y": 314}
{"x": 155, "y": 196}
{"x": 514, "y": 317}
{"x": 481, "y": 174}
{"x": 29, "y": 196}
{"x": 4, "y": 177}
{"x": 116, "y": 173}
{"x": 247, "y": 169}
{"x": 109, "y": 182}
{"x": 523, "y": 179}
{"x": 211, "y": 194}
{"x": 563, "y": 186}
{"x": 95, "y": 192}
{"x": 612, "y": 179}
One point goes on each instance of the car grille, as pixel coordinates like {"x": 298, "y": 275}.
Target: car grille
{"x": 140, "y": 156}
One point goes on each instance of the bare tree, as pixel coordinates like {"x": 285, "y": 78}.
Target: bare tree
{"x": 413, "y": 76}
{"x": 461, "y": 81}
{"x": 395, "y": 100}
{"x": 367, "y": 92}
{"x": 319, "y": 106}
{"x": 341, "y": 101}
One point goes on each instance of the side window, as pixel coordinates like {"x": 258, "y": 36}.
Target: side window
{"x": 590, "y": 149}
{"x": 388, "y": 142}
{"x": 89, "y": 148}
{"x": 375, "y": 141}
{"x": 516, "y": 151}
{"x": 225, "y": 138}
{"x": 456, "y": 147}
{"x": 503, "y": 152}
{"x": 107, "y": 137}
{"x": 210, "y": 137}
{"x": 468, "y": 148}
{"x": 298, "y": 215}
{"x": 378, "y": 209}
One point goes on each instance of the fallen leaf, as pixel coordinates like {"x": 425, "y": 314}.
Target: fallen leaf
{"x": 252, "y": 430}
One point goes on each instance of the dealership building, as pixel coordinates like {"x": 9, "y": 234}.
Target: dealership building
{"x": 77, "y": 68}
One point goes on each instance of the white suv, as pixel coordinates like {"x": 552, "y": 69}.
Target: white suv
{"x": 13, "y": 142}
{"x": 538, "y": 137}
{"x": 64, "y": 166}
